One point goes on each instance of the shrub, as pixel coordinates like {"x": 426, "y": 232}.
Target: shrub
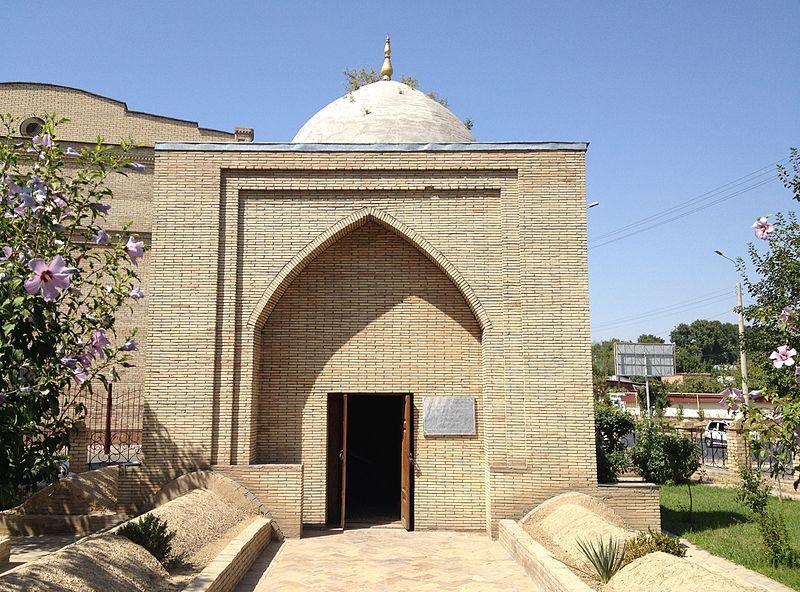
{"x": 753, "y": 490}
{"x": 650, "y": 542}
{"x": 772, "y": 527}
{"x": 606, "y": 558}
{"x": 611, "y": 426}
{"x": 662, "y": 458}
{"x": 151, "y": 533}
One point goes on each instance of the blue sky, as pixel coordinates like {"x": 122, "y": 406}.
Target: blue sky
{"x": 676, "y": 98}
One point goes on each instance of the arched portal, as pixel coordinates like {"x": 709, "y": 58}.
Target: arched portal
{"x": 370, "y": 314}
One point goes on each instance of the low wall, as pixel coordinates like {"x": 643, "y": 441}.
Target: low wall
{"x": 547, "y": 572}
{"x": 279, "y": 487}
{"x": 227, "y": 569}
{"x": 636, "y": 503}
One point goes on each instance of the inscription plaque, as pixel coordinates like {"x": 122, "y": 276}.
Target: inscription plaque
{"x": 448, "y": 416}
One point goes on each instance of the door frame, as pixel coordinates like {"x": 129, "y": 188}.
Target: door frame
{"x": 336, "y": 456}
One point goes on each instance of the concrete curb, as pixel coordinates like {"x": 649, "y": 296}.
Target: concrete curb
{"x": 227, "y": 569}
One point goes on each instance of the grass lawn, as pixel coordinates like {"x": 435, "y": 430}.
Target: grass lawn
{"x": 720, "y": 526}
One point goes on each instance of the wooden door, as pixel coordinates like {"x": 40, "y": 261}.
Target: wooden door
{"x": 334, "y": 471}
{"x": 344, "y": 457}
{"x": 406, "y": 464}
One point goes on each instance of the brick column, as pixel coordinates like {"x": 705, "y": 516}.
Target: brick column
{"x": 78, "y": 453}
{"x": 738, "y": 447}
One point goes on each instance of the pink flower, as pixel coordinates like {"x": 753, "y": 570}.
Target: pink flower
{"x": 8, "y": 252}
{"x": 763, "y": 228}
{"x": 783, "y": 356}
{"x": 137, "y": 293}
{"x": 134, "y": 249}
{"x": 48, "y": 277}
{"x": 788, "y": 317}
{"x": 732, "y": 397}
{"x": 99, "y": 341}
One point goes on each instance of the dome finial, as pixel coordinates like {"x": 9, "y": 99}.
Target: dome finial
{"x": 387, "y": 69}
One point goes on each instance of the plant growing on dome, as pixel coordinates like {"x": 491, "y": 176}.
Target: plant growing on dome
{"x": 355, "y": 78}
{"x": 63, "y": 279}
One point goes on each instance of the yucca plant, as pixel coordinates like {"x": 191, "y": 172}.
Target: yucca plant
{"x": 606, "y": 558}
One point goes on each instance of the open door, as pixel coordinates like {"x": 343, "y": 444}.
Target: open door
{"x": 337, "y": 459}
{"x": 406, "y": 464}
{"x": 344, "y": 457}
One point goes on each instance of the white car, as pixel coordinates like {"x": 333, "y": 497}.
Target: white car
{"x": 716, "y": 433}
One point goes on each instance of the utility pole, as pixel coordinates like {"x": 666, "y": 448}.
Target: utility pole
{"x": 742, "y": 352}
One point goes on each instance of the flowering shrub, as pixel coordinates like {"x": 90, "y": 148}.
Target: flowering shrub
{"x": 774, "y": 317}
{"x": 63, "y": 279}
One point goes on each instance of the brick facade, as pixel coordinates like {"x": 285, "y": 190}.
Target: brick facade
{"x": 282, "y": 273}
{"x": 446, "y": 272}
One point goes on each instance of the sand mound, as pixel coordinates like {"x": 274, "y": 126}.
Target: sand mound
{"x": 102, "y": 563}
{"x": 200, "y": 518}
{"x": 661, "y": 572}
{"x": 561, "y": 521}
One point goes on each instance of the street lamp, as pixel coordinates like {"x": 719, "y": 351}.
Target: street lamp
{"x": 742, "y": 352}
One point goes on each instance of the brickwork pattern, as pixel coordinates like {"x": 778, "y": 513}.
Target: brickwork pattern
{"x": 489, "y": 216}
{"x": 278, "y": 487}
{"x": 637, "y": 504}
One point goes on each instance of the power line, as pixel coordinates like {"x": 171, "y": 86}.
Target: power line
{"x": 722, "y": 193}
{"x": 686, "y": 304}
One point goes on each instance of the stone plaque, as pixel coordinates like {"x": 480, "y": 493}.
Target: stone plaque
{"x": 448, "y": 416}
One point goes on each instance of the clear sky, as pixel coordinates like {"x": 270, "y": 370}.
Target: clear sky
{"x": 676, "y": 98}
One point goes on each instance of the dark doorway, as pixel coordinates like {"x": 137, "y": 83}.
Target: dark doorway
{"x": 368, "y": 445}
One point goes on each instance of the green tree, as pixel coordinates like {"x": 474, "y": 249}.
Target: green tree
{"x": 648, "y": 338}
{"x": 703, "y": 344}
{"x": 602, "y": 363}
{"x": 611, "y": 426}
{"x": 774, "y": 288}
{"x": 63, "y": 279}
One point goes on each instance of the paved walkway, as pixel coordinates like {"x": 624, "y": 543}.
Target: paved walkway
{"x": 386, "y": 559}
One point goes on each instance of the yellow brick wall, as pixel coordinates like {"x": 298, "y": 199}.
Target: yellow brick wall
{"x": 91, "y": 116}
{"x": 507, "y": 228}
{"x": 371, "y": 314}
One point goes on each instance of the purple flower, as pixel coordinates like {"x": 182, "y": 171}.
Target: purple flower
{"x": 43, "y": 140}
{"x": 69, "y": 361}
{"x": 86, "y": 358}
{"x": 48, "y": 277}
{"x": 732, "y": 397}
{"x": 136, "y": 166}
{"x": 134, "y": 249}
{"x": 783, "y": 356}
{"x": 137, "y": 293}
{"x": 129, "y": 346}
{"x": 788, "y": 317}
{"x": 99, "y": 341}
{"x": 103, "y": 208}
{"x": 8, "y": 252}
{"x": 80, "y": 375}
{"x": 101, "y": 237}
{"x": 763, "y": 228}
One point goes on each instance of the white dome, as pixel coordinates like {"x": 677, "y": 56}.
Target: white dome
{"x": 384, "y": 112}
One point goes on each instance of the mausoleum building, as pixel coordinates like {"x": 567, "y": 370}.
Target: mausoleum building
{"x": 381, "y": 321}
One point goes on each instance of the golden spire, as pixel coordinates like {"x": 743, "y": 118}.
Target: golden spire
{"x": 387, "y": 69}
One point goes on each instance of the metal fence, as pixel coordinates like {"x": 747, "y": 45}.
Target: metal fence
{"x": 114, "y": 424}
{"x": 713, "y": 447}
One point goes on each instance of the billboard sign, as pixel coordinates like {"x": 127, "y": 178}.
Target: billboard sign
{"x": 644, "y": 359}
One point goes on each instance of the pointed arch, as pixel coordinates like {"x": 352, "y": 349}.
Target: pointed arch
{"x": 270, "y": 297}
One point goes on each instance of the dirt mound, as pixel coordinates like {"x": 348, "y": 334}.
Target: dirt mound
{"x": 561, "y": 521}
{"x": 101, "y": 563}
{"x": 661, "y": 572}
{"x": 200, "y": 518}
